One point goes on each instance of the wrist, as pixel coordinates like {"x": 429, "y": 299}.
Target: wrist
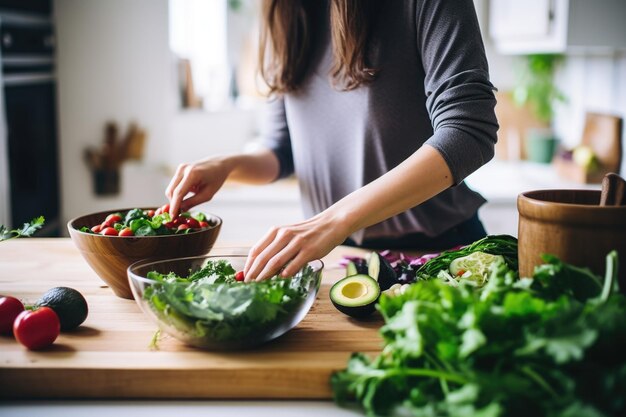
{"x": 340, "y": 219}
{"x": 230, "y": 163}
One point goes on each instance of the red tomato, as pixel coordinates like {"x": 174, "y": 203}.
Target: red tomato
{"x": 150, "y": 213}
{"x": 113, "y": 218}
{"x": 37, "y": 329}
{"x": 109, "y": 231}
{"x": 193, "y": 223}
{"x": 169, "y": 225}
{"x": 127, "y": 231}
{"x": 10, "y": 308}
{"x": 239, "y": 276}
{"x": 182, "y": 227}
{"x": 97, "y": 228}
{"x": 204, "y": 224}
{"x": 178, "y": 220}
{"x": 165, "y": 208}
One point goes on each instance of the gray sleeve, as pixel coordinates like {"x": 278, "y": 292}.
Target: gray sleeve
{"x": 275, "y": 135}
{"x": 460, "y": 98}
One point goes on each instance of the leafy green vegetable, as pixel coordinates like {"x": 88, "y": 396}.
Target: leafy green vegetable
{"x": 550, "y": 346}
{"x": 143, "y": 225}
{"x": 27, "y": 230}
{"x": 503, "y": 245}
{"x": 211, "y": 304}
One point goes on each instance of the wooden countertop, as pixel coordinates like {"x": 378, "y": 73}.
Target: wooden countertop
{"x": 109, "y": 355}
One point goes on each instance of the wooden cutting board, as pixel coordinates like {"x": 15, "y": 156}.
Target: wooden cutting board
{"x": 109, "y": 355}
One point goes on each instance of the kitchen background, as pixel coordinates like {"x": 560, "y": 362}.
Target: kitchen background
{"x": 103, "y": 99}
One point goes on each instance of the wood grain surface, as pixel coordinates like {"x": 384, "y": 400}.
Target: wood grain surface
{"x": 110, "y": 256}
{"x": 109, "y": 355}
{"x": 571, "y": 225}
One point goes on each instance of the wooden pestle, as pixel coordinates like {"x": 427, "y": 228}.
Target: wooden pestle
{"x": 613, "y": 190}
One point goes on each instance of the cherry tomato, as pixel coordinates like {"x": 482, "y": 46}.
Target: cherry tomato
{"x": 178, "y": 220}
{"x": 97, "y": 228}
{"x": 204, "y": 224}
{"x": 113, "y": 218}
{"x": 169, "y": 225}
{"x": 109, "y": 231}
{"x": 150, "y": 213}
{"x": 182, "y": 227}
{"x": 165, "y": 208}
{"x": 127, "y": 231}
{"x": 37, "y": 329}
{"x": 10, "y": 308}
{"x": 193, "y": 223}
{"x": 239, "y": 276}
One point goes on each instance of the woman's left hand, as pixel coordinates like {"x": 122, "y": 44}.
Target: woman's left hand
{"x": 293, "y": 246}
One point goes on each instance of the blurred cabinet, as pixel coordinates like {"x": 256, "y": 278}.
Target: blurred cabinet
{"x": 556, "y": 26}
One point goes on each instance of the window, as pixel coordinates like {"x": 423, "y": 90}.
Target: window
{"x": 198, "y": 41}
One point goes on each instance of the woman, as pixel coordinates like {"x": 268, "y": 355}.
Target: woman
{"x": 381, "y": 108}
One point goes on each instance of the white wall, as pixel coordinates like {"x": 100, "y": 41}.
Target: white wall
{"x": 113, "y": 64}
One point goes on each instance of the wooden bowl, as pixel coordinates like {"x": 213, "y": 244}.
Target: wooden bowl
{"x": 110, "y": 256}
{"x": 572, "y": 225}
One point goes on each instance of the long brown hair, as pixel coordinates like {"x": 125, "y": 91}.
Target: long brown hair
{"x": 286, "y": 42}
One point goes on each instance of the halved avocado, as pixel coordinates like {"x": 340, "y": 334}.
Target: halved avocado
{"x": 381, "y": 270}
{"x": 355, "y": 267}
{"x": 355, "y": 295}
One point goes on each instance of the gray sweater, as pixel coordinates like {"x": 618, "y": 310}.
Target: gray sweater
{"x": 433, "y": 88}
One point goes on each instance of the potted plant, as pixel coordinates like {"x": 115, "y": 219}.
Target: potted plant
{"x": 536, "y": 88}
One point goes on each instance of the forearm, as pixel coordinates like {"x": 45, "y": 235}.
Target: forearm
{"x": 420, "y": 177}
{"x": 258, "y": 167}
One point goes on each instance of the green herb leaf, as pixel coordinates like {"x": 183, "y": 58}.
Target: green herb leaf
{"x": 27, "y": 230}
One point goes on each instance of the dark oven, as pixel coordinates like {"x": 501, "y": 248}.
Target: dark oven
{"x": 30, "y": 119}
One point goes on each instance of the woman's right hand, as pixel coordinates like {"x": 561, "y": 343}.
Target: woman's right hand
{"x": 201, "y": 179}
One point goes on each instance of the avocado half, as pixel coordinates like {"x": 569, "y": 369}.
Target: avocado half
{"x": 381, "y": 270}
{"x": 355, "y": 295}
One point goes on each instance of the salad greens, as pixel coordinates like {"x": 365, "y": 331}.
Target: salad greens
{"x": 27, "y": 230}
{"x": 554, "y": 345}
{"x": 211, "y": 304}
{"x": 504, "y": 245}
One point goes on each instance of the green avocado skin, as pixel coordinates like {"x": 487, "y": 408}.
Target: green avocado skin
{"x": 361, "y": 309}
{"x": 69, "y": 304}
{"x": 356, "y": 312}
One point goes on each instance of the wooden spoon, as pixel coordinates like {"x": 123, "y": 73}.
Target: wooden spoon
{"x": 613, "y": 190}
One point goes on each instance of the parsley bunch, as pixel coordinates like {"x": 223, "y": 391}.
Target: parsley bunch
{"x": 550, "y": 346}
{"x": 27, "y": 230}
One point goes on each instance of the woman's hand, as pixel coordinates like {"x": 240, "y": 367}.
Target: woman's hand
{"x": 202, "y": 179}
{"x": 418, "y": 178}
{"x": 294, "y": 245}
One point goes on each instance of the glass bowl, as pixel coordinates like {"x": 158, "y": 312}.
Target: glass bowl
{"x": 219, "y": 315}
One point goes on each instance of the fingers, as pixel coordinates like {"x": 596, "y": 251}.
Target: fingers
{"x": 276, "y": 261}
{"x": 257, "y": 249}
{"x": 186, "y": 183}
{"x": 178, "y": 175}
{"x": 297, "y": 263}
{"x": 193, "y": 201}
